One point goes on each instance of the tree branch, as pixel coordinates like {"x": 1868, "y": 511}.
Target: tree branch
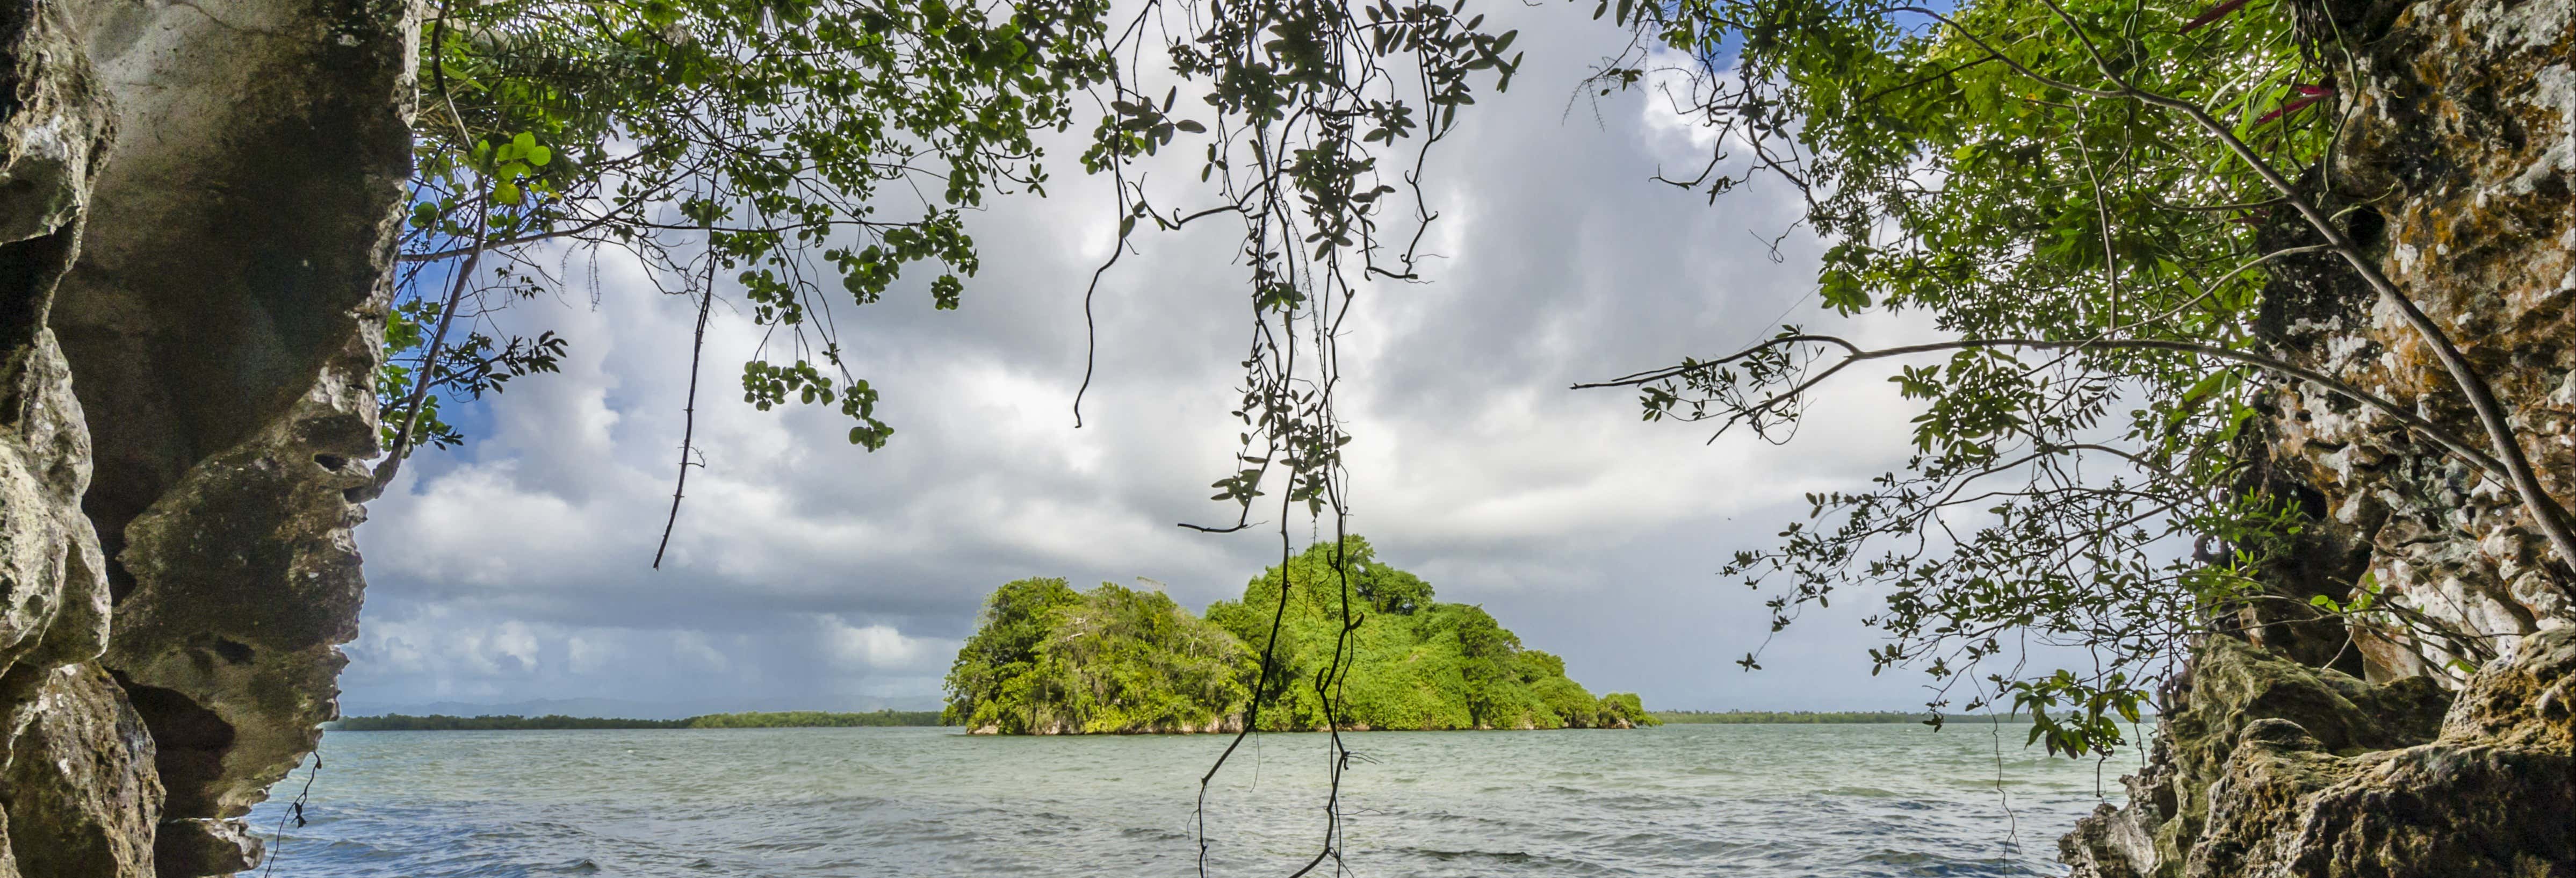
{"x": 2546, "y": 514}
{"x": 384, "y": 475}
{"x": 1856, "y": 354}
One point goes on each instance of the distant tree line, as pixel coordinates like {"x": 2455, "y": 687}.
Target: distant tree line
{"x": 801, "y": 719}
{"x": 1787, "y": 717}
{"x": 397, "y": 722}
{"x": 1812, "y": 717}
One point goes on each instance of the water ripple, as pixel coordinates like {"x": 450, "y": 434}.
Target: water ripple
{"x": 1892, "y": 801}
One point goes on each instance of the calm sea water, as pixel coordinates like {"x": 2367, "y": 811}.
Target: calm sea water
{"x": 1756, "y": 801}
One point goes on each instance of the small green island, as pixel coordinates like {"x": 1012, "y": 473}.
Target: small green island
{"x": 1049, "y": 660}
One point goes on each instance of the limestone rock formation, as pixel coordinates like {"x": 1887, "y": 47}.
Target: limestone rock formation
{"x": 2461, "y": 164}
{"x": 2275, "y": 769}
{"x": 83, "y": 797}
{"x": 196, "y": 311}
{"x": 74, "y": 789}
{"x": 224, "y": 340}
{"x": 2459, "y": 169}
{"x": 2240, "y": 692}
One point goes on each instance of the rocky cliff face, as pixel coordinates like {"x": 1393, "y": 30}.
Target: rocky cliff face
{"x": 2274, "y": 768}
{"x": 77, "y": 794}
{"x": 189, "y": 323}
{"x": 2462, "y": 151}
{"x": 2460, "y": 167}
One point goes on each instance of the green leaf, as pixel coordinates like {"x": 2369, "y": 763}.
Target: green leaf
{"x": 1843, "y": 292}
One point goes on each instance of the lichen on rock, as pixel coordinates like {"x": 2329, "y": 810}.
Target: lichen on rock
{"x": 2274, "y": 769}
{"x": 2458, "y": 167}
{"x": 76, "y": 792}
{"x": 2462, "y": 153}
{"x": 2238, "y": 694}
{"x": 83, "y": 798}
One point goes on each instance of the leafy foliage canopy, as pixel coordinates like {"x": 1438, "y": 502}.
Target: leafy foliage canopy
{"x": 2105, "y": 210}
{"x": 1113, "y": 659}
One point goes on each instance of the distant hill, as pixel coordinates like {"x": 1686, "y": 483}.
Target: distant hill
{"x": 751, "y": 720}
{"x": 1050, "y": 660}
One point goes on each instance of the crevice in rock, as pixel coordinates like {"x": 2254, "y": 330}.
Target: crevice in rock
{"x": 232, "y": 651}
{"x": 192, "y": 740}
{"x": 28, "y": 269}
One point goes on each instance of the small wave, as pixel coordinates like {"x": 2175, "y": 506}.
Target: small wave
{"x": 1880, "y": 806}
{"x": 1859, "y": 792}
{"x": 1497, "y": 856}
{"x": 1523, "y": 862}
{"x": 1919, "y": 864}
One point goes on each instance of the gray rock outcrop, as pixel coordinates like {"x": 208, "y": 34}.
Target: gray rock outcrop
{"x": 2272, "y": 768}
{"x": 189, "y": 321}
{"x": 76, "y": 793}
{"x": 224, "y": 339}
{"x": 2460, "y": 169}
{"x": 2460, "y": 165}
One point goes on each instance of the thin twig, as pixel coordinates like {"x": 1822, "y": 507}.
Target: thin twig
{"x": 1856, "y": 354}
{"x": 689, "y": 409}
{"x": 295, "y": 809}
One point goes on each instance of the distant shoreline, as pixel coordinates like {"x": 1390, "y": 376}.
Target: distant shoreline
{"x": 809, "y": 719}
{"x": 788, "y": 719}
{"x": 1809, "y": 717}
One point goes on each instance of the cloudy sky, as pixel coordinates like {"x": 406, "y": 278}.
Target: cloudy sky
{"x": 807, "y": 573}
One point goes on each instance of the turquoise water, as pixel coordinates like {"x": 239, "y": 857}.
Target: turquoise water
{"x": 1758, "y": 801}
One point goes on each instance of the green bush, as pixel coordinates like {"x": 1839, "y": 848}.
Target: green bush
{"x": 1618, "y": 707}
{"x": 1113, "y": 659}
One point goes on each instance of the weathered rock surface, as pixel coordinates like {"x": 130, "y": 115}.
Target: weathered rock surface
{"x": 83, "y": 798}
{"x": 2238, "y": 693}
{"x": 76, "y": 792}
{"x": 205, "y": 846}
{"x": 223, "y": 326}
{"x": 53, "y": 609}
{"x": 2462, "y": 161}
{"x": 2274, "y": 769}
{"x": 197, "y": 312}
{"x": 2460, "y": 165}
